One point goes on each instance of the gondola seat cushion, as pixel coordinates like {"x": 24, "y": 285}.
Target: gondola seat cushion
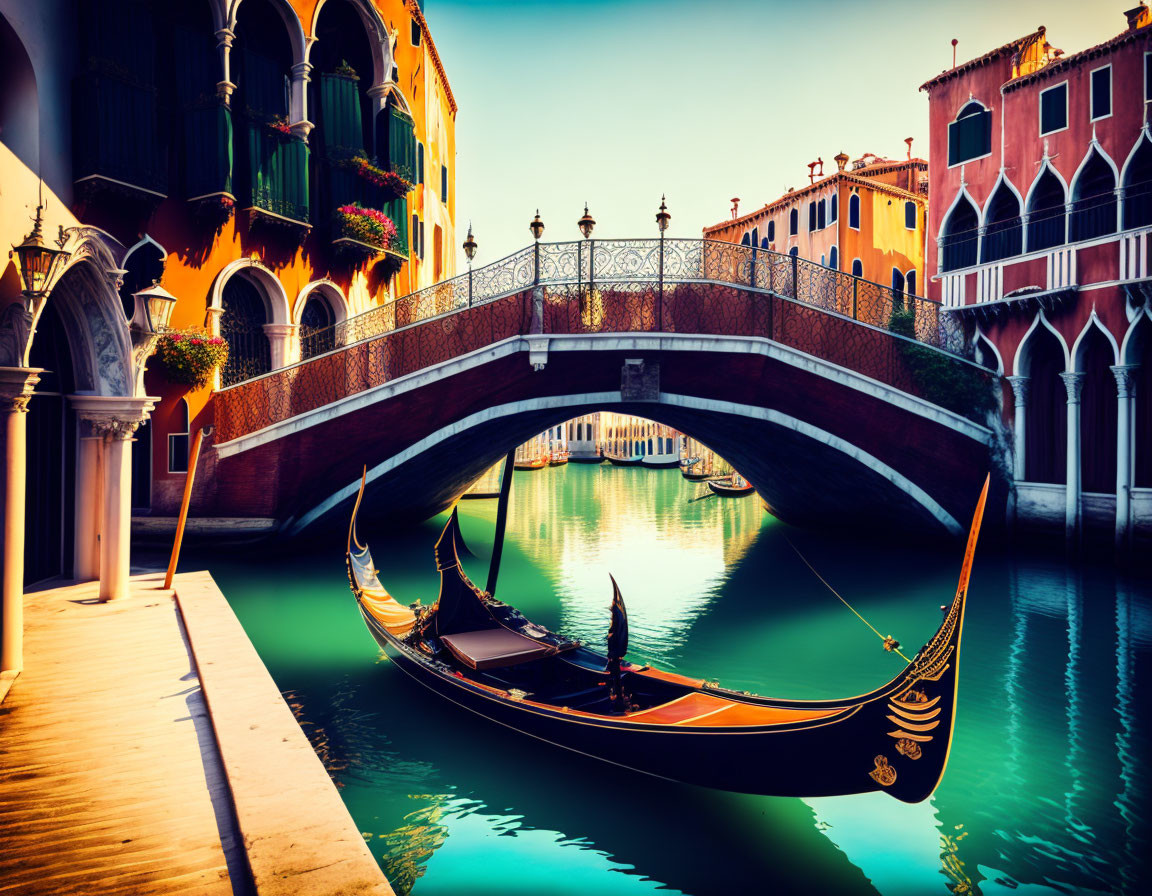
{"x": 494, "y": 648}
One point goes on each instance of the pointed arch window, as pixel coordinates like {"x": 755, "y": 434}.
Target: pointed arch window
{"x": 910, "y": 282}
{"x": 897, "y": 286}
{"x": 1093, "y": 200}
{"x": 1045, "y": 213}
{"x": 970, "y": 134}
{"x": 744, "y": 240}
{"x": 959, "y": 235}
{"x": 143, "y": 267}
{"x": 1003, "y": 232}
{"x": 178, "y": 438}
{"x": 771, "y": 231}
{"x": 1137, "y": 190}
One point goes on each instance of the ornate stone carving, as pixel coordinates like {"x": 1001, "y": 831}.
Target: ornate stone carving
{"x": 15, "y": 333}
{"x": 1020, "y": 388}
{"x": 16, "y": 387}
{"x": 1125, "y": 379}
{"x": 1073, "y": 382}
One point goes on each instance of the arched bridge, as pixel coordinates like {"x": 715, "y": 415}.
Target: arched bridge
{"x": 831, "y": 394}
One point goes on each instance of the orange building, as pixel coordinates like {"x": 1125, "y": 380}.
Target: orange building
{"x": 277, "y": 165}
{"x": 866, "y": 219}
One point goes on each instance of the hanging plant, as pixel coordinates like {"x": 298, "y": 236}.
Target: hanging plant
{"x": 214, "y": 211}
{"x": 190, "y": 357}
{"x": 395, "y": 182}
{"x": 365, "y": 225}
{"x": 278, "y": 125}
{"x": 344, "y": 70}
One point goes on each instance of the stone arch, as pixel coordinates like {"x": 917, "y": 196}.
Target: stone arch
{"x": 292, "y": 25}
{"x": 1136, "y": 184}
{"x": 1044, "y": 205}
{"x": 1041, "y": 358}
{"x": 1093, "y": 355}
{"x": 1136, "y": 351}
{"x": 332, "y": 295}
{"x": 379, "y": 38}
{"x": 986, "y": 353}
{"x": 143, "y": 263}
{"x": 960, "y": 232}
{"x": 275, "y": 298}
{"x": 1093, "y": 196}
{"x": 1093, "y": 323}
{"x": 1021, "y": 359}
{"x": 19, "y": 98}
{"x": 1001, "y": 220}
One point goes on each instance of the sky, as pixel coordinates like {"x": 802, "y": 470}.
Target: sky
{"x": 615, "y": 103}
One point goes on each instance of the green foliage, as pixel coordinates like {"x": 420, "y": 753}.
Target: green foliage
{"x": 943, "y": 380}
{"x": 190, "y": 357}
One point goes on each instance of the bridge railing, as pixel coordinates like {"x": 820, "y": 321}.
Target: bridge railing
{"x": 608, "y": 286}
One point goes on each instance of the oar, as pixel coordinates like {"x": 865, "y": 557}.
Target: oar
{"x": 501, "y": 520}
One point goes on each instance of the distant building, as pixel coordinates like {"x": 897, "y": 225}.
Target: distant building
{"x": 1041, "y": 178}
{"x": 866, "y": 219}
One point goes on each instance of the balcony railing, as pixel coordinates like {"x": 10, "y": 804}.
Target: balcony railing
{"x": 1093, "y": 216}
{"x": 278, "y": 169}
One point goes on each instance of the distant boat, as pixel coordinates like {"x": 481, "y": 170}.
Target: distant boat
{"x": 533, "y": 463}
{"x": 661, "y": 461}
{"x": 558, "y": 459}
{"x": 733, "y": 486}
{"x": 696, "y": 475}
{"x": 585, "y": 459}
{"x": 633, "y": 461}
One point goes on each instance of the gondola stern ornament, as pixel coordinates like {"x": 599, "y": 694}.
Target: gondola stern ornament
{"x": 447, "y": 555}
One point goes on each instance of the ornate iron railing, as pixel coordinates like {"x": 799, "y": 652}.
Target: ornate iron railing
{"x": 604, "y": 286}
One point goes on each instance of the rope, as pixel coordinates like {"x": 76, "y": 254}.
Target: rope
{"x": 837, "y": 593}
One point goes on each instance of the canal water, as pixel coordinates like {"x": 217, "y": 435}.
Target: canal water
{"x": 1047, "y": 786}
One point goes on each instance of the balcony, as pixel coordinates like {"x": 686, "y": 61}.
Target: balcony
{"x": 278, "y": 176}
{"x": 207, "y": 152}
{"x": 117, "y": 138}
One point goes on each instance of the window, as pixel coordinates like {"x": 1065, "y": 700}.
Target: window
{"x": 832, "y": 214}
{"x": 821, "y": 215}
{"x": 857, "y": 268}
{"x": 746, "y": 240}
{"x": 415, "y": 236}
{"x": 1101, "y": 93}
{"x": 897, "y": 286}
{"x": 970, "y": 135}
{"x": 1148, "y": 77}
{"x": 1138, "y": 187}
{"x": 415, "y": 33}
{"x": 1002, "y": 231}
{"x": 395, "y": 74}
{"x": 421, "y": 240}
{"x": 854, "y": 211}
{"x": 910, "y": 282}
{"x": 764, "y": 244}
{"x": 909, "y": 215}
{"x": 959, "y": 236}
{"x": 793, "y": 222}
{"x": 1093, "y": 200}
{"x": 1054, "y": 109}
{"x": 811, "y": 216}
{"x": 794, "y": 251}
{"x": 178, "y": 439}
{"x": 1045, "y": 212}
{"x": 771, "y": 231}
{"x": 444, "y": 183}
{"x": 419, "y": 163}
{"x": 823, "y": 261}
{"x": 833, "y": 259}
{"x": 755, "y": 237}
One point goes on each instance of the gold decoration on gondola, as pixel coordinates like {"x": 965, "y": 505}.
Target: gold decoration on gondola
{"x": 921, "y": 738}
{"x": 912, "y": 695}
{"x": 909, "y": 748}
{"x": 883, "y": 774}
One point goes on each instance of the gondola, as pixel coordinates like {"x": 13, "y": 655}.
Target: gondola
{"x": 729, "y": 487}
{"x": 633, "y": 461}
{"x": 486, "y": 657}
{"x": 697, "y": 475}
{"x": 664, "y": 464}
{"x": 585, "y": 459}
{"x": 558, "y": 459}
{"x": 535, "y": 463}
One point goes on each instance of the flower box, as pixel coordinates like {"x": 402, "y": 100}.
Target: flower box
{"x": 190, "y": 357}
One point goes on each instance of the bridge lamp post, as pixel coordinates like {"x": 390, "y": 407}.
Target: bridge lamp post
{"x": 470, "y": 253}
{"x": 537, "y": 228}
{"x": 586, "y": 223}
{"x": 663, "y": 216}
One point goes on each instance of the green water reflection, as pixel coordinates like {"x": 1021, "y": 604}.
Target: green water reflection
{"x": 1046, "y": 787}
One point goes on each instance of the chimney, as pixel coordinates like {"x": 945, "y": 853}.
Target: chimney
{"x": 811, "y": 172}
{"x": 908, "y": 140}
{"x": 735, "y": 207}
{"x": 820, "y": 162}
{"x": 841, "y": 159}
{"x": 954, "y": 42}
{"x": 1137, "y": 16}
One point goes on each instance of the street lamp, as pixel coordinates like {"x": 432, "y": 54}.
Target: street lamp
{"x": 662, "y": 218}
{"x": 38, "y": 263}
{"x": 586, "y": 223}
{"x": 154, "y": 305}
{"x": 536, "y": 226}
{"x": 470, "y": 253}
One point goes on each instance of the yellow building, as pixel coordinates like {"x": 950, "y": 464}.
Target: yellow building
{"x": 866, "y": 219}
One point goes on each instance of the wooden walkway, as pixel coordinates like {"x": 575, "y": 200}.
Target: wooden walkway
{"x": 110, "y": 781}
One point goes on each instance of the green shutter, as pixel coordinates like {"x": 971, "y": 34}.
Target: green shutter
{"x": 279, "y": 173}
{"x": 401, "y": 142}
{"x": 260, "y": 86}
{"x": 340, "y": 120}
{"x": 207, "y": 151}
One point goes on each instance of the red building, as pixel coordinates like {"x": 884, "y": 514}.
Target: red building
{"x": 1041, "y": 178}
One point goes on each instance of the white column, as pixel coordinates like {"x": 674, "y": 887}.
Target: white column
{"x": 225, "y": 86}
{"x": 298, "y": 111}
{"x": 89, "y": 500}
{"x": 1125, "y": 389}
{"x": 285, "y": 347}
{"x": 1073, "y": 382}
{"x": 16, "y": 385}
{"x": 114, "y": 420}
{"x": 1019, "y": 427}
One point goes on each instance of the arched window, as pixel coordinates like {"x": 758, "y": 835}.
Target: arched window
{"x": 958, "y": 236}
{"x": 970, "y": 134}
{"x": 744, "y": 240}
{"x": 794, "y": 251}
{"x": 755, "y": 236}
{"x": 316, "y": 322}
{"x": 1093, "y": 200}
{"x": 854, "y": 211}
{"x": 833, "y": 211}
{"x": 242, "y": 326}
{"x": 793, "y": 222}
{"x": 143, "y": 266}
{"x": 910, "y": 282}
{"x": 1138, "y": 186}
{"x": 909, "y": 215}
{"x": 178, "y": 438}
{"x": 1045, "y": 213}
{"x": 1097, "y": 413}
{"x": 823, "y": 260}
{"x": 1003, "y": 233}
{"x": 765, "y": 244}
{"x": 857, "y": 268}
{"x": 833, "y": 259}
{"x": 897, "y": 286}
{"x": 1045, "y": 442}
{"x": 811, "y": 216}
{"x": 771, "y": 231}
{"x": 821, "y": 215}
{"x": 419, "y": 163}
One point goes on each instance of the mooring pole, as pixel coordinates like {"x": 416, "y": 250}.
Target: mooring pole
{"x": 193, "y": 457}
{"x": 501, "y": 521}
